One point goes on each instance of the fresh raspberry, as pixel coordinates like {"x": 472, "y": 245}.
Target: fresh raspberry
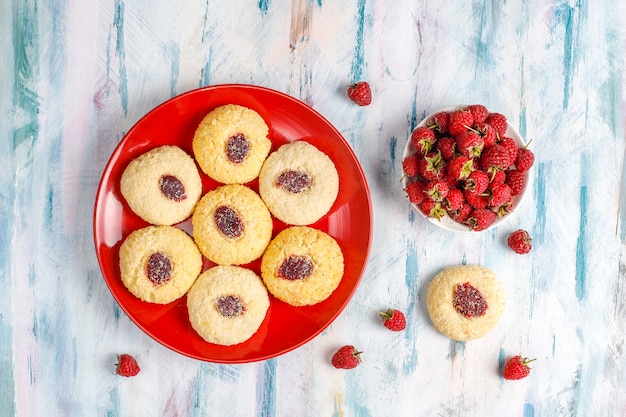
{"x": 479, "y": 112}
{"x": 516, "y": 368}
{"x": 477, "y": 201}
{"x": 494, "y": 158}
{"x": 393, "y": 319}
{"x": 498, "y": 122}
{"x": 423, "y": 139}
{"x": 450, "y": 180}
{"x": 410, "y": 166}
{"x": 415, "y": 192}
{"x": 520, "y": 241}
{"x": 360, "y": 93}
{"x": 499, "y": 177}
{"x": 460, "y": 167}
{"x": 440, "y": 122}
{"x": 500, "y": 194}
{"x": 504, "y": 208}
{"x": 436, "y": 190}
{"x": 462, "y": 214}
{"x": 486, "y": 132}
{"x": 447, "y": 147}
{"x": 511, "y": 147}
{"x": 453, "y": 200}
{"x": 460, "y": 121}
{"x": 516, "y": 180}
{"x": 347, "y": 357}
{"x": 126, "y": 365}
{"x": 477, "y": 181}
{"x": 480, "y": 219}
{"x": 432, "y": 209}
{"x": 525, "y": 159}
{"x": 431, "y": 166}
{"x": 470, "y": 144}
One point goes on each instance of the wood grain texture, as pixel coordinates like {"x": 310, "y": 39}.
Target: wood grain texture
{"x": 76, "y": 76}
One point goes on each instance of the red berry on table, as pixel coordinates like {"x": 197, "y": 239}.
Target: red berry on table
{"x": 460, "y": 121}
{"x": 360, "y": 93}
{"x": 516, "y": 180}
{"x": 410, "y": 166}
{"x": 524, "y": 160}
{"x": 393, "y": 319}
{"x": 126, "y": 365}
{"x": 520, "y": 241}
{"x": 516, "y": 368}
{"x": 423, "y": 139}
{"x": 498, "y": 122}
{"x": 481, "y": 219}
{"x": 347, "y": 357}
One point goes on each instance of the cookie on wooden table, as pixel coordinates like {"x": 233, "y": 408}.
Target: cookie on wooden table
{"x": 466, "y": 301}
{"x": 158, "y": 264}
{"x": 227, "y": 304}
{"x": 299, "y": 183}
{"x": 231, "y": 144}
{"x": 232, "y": 225}
{"x": 162, "y": 186}
{"x": 302, "y": 266}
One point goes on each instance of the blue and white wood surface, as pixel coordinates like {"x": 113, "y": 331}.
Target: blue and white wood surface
{"x": 76, "y": 75}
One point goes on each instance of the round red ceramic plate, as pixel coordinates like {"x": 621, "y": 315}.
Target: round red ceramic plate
{"x": 349, "y": 220}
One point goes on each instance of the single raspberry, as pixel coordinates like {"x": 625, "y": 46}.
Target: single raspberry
{"x": 516, "y": 180}
{"x": 486, "y": 132}
{"x": 447, "y": 147}
{"x": 498, "y": 122}
{"x": 460, "y": 167}
{"x": 453, "y": 200}
{"x": 498, "y": 177}
{"x": 360, "y": 93}
{"x": 516, "y": 368}
{"x": 126, "y": 365}
{"x": 477, "y": 181}
{"x": 432, "y": 209}
{"x": 495, "y": 158}
{"x": 450, "y": 180}
{"x": 462, "y": 214}
{"x": 440, "y": 122}
{"x": 479, "y": 112}
{"x": 481, "y": 219}
{"x": 431, "y": 166}
{"x": 511, "y": 147}
{"x": 415, "y": 192}
{"x": 423, "y": 139}
{"x": 346, "y": 357}
{"x": 525, "y": 159}
{"x": 436, "y": 190}
{"x": 410, "y": 166}
{"x": 520, "y": 241}
{"x": 477, "y": 201}
{"x": 460, "y": 121}
{"x": 393, "y": 319}
{"x": 500, "y": 194}
{"x": 470, "y": 144}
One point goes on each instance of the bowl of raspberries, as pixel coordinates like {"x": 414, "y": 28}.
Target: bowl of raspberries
{"x": 466, "y": 168}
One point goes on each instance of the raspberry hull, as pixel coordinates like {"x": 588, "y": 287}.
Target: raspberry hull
{"x": 470, "y": 150}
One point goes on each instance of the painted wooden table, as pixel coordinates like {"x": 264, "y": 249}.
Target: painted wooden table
{"x": 77, "y": 75}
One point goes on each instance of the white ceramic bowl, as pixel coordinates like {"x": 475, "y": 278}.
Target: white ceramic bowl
{"x": 446, "y": 222}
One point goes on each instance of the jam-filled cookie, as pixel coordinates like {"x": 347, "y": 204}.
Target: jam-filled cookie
{"x": 465, "y": 301}
{"x": 158, "y": 264}
{"x": 299, "y": 183}
{"x": 231, "y": 144}
{"x": 227, "y": 304}
{"x": 162, "y": 186}
{"x": 302, "y": 266}
{"x": 232, "y": 225}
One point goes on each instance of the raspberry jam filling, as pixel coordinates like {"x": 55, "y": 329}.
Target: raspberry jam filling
{"x": 237, "y": 148}
{"x": 230, "y": 306}
{"x": 172, "y": 188}
{"x": 159, "y": 268}
{"x": 469, "y": 301}
{"x": 228, "y": 222}
{"x": 294, "y": 181}
{"x": 295, "y": 267}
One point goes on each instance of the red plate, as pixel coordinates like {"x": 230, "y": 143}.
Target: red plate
{"x": 349, "y": 220}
